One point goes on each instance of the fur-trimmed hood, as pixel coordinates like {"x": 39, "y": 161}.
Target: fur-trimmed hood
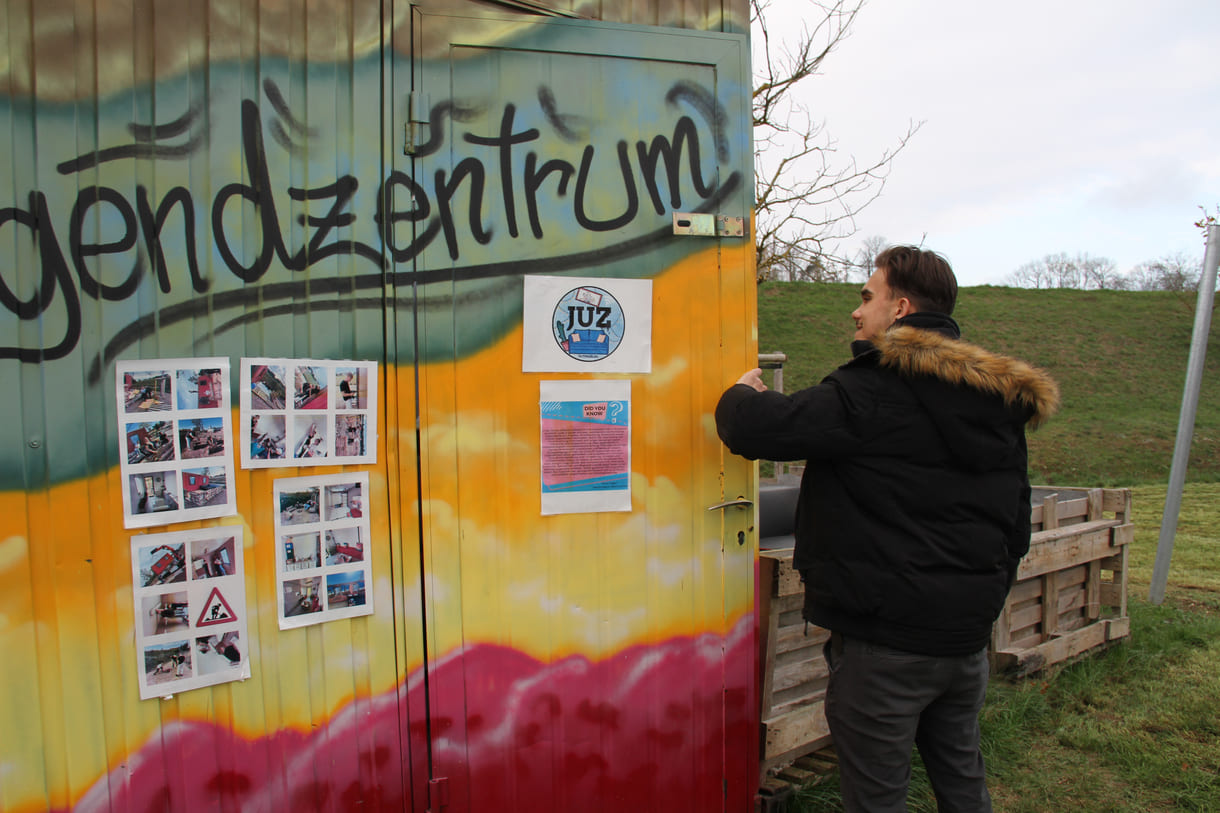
{"x": 915, "y": 352}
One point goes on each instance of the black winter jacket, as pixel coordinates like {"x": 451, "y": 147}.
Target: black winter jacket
{"x": 914, "y": 508}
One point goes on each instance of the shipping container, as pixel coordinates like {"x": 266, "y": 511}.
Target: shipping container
{"x": 310, "y": 498}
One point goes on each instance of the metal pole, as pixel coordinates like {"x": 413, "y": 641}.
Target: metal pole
{"x": 774, "y": 361}
{"x": 1186, "y": 422}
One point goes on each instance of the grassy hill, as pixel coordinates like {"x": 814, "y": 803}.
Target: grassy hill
{"x": 1119, "y": 356}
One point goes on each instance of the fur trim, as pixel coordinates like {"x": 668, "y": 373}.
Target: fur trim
{"x": 914, "y": 352}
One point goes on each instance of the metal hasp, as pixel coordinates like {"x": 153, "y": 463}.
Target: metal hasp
{"x": 698, "y": 224}
{"x": 438, "y": 794}
{"x": 417, "y": 118}
{"x": 727, "y": 226}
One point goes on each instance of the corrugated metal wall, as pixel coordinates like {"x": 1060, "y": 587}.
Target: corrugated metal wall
{"x": 228, "y": 179}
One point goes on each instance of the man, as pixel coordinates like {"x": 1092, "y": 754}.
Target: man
{"x": 347, "y": 391}
{"x": 913, "y": 514}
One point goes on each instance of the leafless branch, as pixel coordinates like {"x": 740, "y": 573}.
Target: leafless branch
{"x": 807, "y": 193}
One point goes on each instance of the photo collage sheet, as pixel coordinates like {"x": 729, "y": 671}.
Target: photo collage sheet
{"x": 177, "y": 455}
{"x": 177, "y": 464}
{"x": 302, "y": 412}
{"x": 190, "y": 608}
{"x": 322, "y": 553}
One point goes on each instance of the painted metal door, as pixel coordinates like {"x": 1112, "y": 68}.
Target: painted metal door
{"x": 596, "y": 660}
{"x": 194, "y": 179}
{"x": 209, "y": 179}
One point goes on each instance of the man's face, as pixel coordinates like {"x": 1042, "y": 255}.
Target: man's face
{"x": 878, "y": 307}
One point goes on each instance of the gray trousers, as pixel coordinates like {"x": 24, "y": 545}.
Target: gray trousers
{"x": 881, "y": 701}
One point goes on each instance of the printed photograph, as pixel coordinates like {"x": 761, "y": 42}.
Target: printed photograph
{"x": 153, "y": 491}
{"x": 345, "y": 590}
{"x": 199, "y": 389}
{"x": 165, "y": 663}
{"x": 267, "y": 436}
{"x": 219, "y": 653}
{"x": 310, "y": 435}
{"x": 216, "y": 610}
{"x": 302, "y": 596}
{"x": 302, "y": 552}
{"x": 344, "y": 500}
{"x": 201, "y": 437}
{"x": 350, "y": 436}
{"x": 165, "y": 612}
{"x": 309, "y": 388}
{"x": 148, "y": 391}
{"x": 211, "y": 558}
{"x": 299, "y": 507}
{"x": 344, "y": 546}
{"x": 267, "y": 390}
{"x": 353, "y": 388}
{"x": 150, "y": 442}
{"x": 162, "y": 564}
{"x": 204, "y": 487}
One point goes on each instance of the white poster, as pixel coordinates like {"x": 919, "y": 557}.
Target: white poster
{"x": 176, "y": 432}
{"x": 586, "y": 446}
{"x": 190, "y": 609}
{"x": 323, "y": 563}
{"x": 587, "y": 325}
{"x": 307, "y": 412}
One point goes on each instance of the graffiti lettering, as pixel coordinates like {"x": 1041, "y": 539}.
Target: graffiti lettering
{"x": 104, "y": 225}
{"x": 258, "y": 192}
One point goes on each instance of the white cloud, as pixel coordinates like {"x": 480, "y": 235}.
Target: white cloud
{"x": 1080, "y": 127}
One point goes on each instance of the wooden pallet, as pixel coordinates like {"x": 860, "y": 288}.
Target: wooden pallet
{"x": 1070, "y": 597}
{"x": 1071, "y": 590}
{"x": 793, "y": 672}
{"x": 777, "y": 790}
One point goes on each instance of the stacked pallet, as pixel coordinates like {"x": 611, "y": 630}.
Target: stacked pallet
{"x": 794, "y": 673}
{"x": 1071, "y": 589}
{"x": 1070, "y": 597}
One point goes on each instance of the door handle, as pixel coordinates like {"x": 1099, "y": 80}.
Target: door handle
{"x": 740, "y": 502}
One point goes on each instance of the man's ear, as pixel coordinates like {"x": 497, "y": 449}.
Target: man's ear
{"x": 905, "y": 308}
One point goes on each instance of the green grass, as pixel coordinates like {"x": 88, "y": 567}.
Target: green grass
{"x": 1119, "y": 357}
{"x": 1136, "y": 726}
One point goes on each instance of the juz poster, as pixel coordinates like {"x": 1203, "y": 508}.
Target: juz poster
{"x": 586, "y": 446}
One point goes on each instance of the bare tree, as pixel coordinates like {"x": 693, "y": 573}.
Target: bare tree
{"x": 1032, "y": 275}
{"x": 1063, "y": 271}
{"x": 807, "y": 193}
{"x": 866, "y": 255}
{"x": 1173, "y": 272}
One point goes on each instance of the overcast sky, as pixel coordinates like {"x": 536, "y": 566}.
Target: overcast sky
{"x": 1077, "y": 126}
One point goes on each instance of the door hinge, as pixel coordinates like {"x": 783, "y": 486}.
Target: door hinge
{"x": 438, "y": 794}
{"x": 699, "y": 224}
{"x": 414, "y": 128}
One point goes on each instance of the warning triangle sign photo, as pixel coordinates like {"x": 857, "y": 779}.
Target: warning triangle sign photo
{"x": 215, "y": 610}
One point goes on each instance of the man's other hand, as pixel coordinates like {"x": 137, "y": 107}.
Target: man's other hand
{"x": 753, "y": 379}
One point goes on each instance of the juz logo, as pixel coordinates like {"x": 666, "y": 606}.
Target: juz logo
{"x": 589, "y": 323}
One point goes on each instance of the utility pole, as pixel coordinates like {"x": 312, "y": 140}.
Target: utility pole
{"x": 1186, "y": 421}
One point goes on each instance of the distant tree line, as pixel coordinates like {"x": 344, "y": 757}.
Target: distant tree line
{"x": 796, "y": 266}
{"x": 1173, "y": 272}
